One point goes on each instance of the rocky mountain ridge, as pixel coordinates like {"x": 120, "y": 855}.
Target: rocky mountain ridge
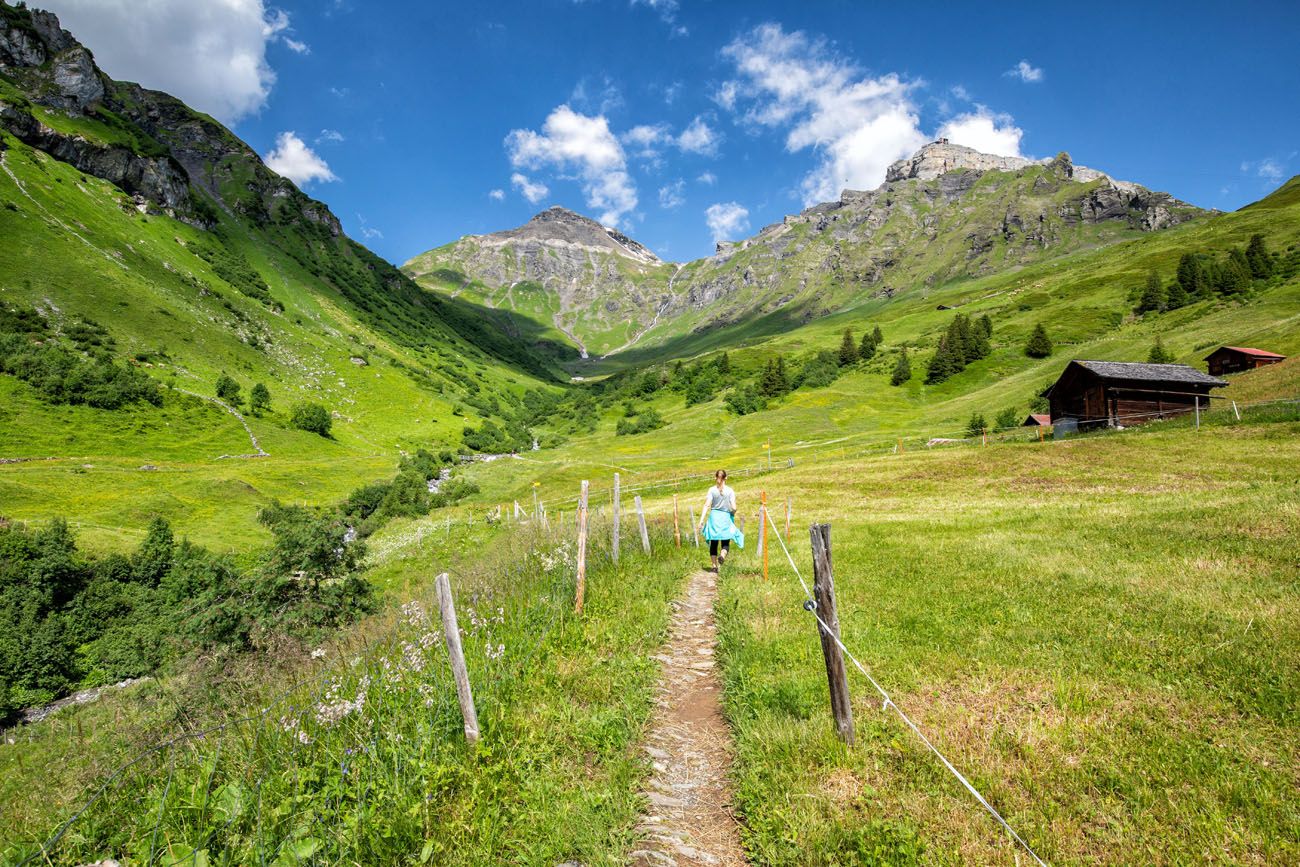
{"x": 945, "y": 213}
{"x": 173, "y": 159}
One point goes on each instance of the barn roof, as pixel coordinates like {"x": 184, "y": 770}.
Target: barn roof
{"x": 1041, "y": 419}
{"x": 1246, "y": 350}
{"x": 1136, "y": 370}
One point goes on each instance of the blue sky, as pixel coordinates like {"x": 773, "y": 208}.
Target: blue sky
{"x": 683, "y": 121}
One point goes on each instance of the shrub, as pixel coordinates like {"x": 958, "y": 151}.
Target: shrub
{"x": 745, "y": 400}
{"x": 902, "y": 370}
{"x": 977, "y": 425}
{"x": 228, "y": 390}
{"x": 259, "y": 399}
{"x": 312, "y": 417}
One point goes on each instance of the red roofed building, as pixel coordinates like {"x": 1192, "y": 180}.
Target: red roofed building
{"x": 1037, "y": 419}
{"x": 1235, "y": 359}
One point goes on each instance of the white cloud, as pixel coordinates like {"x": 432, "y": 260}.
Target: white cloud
{"x": 856, "y": 124}
{"x": 209, "y": 53}
{"x": 960, "y": 92}
{"x": 644, "y": 139}
{"x": 570, "y": 141}
{"x": 708, "y": 179}
{"x": 297, "y": 47}
{"x": 599, "y": 97}
{"x": 671, "y": 92}
{"x": 699, "y": 138}
{"x": 673, "y": 195}
{"x": 726, "y": 220}
{"x": 530, "y": 190}
{"x": 297, "y": 162}
{"x": 371, "y": 234}
{"x": 985, "y": 131}
{"x": 1025, "y": 72}
{"x": 725, "y": 95}
{"x": 330, "y": 136}
{"x": 667, "y": 9}
{"x": 1267, "y": 168}
{"x": 497, "y": 195}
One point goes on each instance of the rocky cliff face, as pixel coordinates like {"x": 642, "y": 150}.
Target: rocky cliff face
{"x": 148, "y": 143}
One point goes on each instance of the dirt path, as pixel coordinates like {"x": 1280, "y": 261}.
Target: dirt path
{"x": 690, "y": 821}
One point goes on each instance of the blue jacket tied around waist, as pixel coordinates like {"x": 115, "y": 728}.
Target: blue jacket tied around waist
{"x": 722, "y": 526}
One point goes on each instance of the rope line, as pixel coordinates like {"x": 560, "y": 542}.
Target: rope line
{"x": 811, "y": 606}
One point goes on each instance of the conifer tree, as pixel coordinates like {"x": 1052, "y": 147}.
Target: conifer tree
{"x": 1153, "y": 295}
{"x": 977, "y": 425}
{"x": 986, "y": 326}
{"x": 724, "y": 365}
{"x": 867, "y": 349}
{"x": 1234, "y": 274}
{"x": 1158, "y": 353}
{"x": 1192, "y": 276}
{"x": 1257, "y": 258}
{"x": 774, "y": 381}
{"x": 877, "y": 337}
{"x": 1039, "y": 344}
{"x": 1176, "y": 296}
{"x": 943, "y": 363}
{"x": 848, "y": 350}
{"x": 902, "y": 370}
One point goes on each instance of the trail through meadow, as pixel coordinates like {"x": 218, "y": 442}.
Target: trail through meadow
{"x": 690, "y": 820}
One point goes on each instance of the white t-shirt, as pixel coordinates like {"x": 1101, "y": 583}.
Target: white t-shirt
{"x": 724, "y": 499}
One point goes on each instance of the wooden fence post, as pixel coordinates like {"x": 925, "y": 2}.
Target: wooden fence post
{"x": 787, "y": 518}
{"x": 762, "y": 533}
{"x": 695, "y": 527}
{"x": 1198, "y": 411}
{"x": 640, "y": 517}
{"x": 452, "y": 633}
{"x": 1236, "y": 411}
{"x": 615, "y": 530}
{"x": 677, "y": 529}
{"x": 824, "y": 596}
{"x": 582, "y": 547}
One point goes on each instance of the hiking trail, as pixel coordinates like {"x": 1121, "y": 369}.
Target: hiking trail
{"x": 689, "y": 820}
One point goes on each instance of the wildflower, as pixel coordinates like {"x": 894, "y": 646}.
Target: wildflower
{"x": 318, "y": 653}
{"x": 303, "y": 737}
{"x": 495, "y": 653}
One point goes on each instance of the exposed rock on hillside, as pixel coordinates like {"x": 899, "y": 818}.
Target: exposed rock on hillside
{"x": 151, "y": 145}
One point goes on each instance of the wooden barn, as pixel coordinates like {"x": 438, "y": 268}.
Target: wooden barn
{"x": 1235, "y": 359}
{"x": 1123, "y": 393}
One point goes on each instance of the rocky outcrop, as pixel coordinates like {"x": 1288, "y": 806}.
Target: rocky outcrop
{"x": 939, "y": 158}
{"x": 158, "y": 179}
{"x": 559, "y": 227}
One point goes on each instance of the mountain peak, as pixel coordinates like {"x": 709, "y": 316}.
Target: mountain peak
{"x": 557, "y": 225}
{"x": 940, "y": 157}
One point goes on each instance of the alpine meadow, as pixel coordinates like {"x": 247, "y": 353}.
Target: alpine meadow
{"x": 468, "y": 483}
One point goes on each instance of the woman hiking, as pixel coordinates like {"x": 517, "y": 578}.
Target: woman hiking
{"x": 718, "y": 520}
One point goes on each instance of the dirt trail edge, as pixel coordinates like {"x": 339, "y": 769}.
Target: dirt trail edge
{"x": 690, "y": 821}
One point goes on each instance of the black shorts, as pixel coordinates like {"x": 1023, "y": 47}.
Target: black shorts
{"x": 713, "y": 546}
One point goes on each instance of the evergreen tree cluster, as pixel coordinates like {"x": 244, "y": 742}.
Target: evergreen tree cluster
{"x": 964, "y": 341}
{"x": 1204, "y": 275}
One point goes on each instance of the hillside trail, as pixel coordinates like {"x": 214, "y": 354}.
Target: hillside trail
{"x": 690, "y": 820}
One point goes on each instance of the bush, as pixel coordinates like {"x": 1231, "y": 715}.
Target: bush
{"x": 902, "y": 370}
{"x": 228, "y": 390}
{"x": 641, "y": 422}
{"x": 745, "y": 400}
{"x": 1007, "y": 419}
{"x": 312, "y": 417}
{"x": 977, "y": 425}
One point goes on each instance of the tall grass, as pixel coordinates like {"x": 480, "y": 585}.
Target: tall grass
{"x": 355, "y": 754}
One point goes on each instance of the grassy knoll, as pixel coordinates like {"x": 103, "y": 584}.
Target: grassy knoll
{"x": 561, "y": 700}
{"x": 1099, "y": 633}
